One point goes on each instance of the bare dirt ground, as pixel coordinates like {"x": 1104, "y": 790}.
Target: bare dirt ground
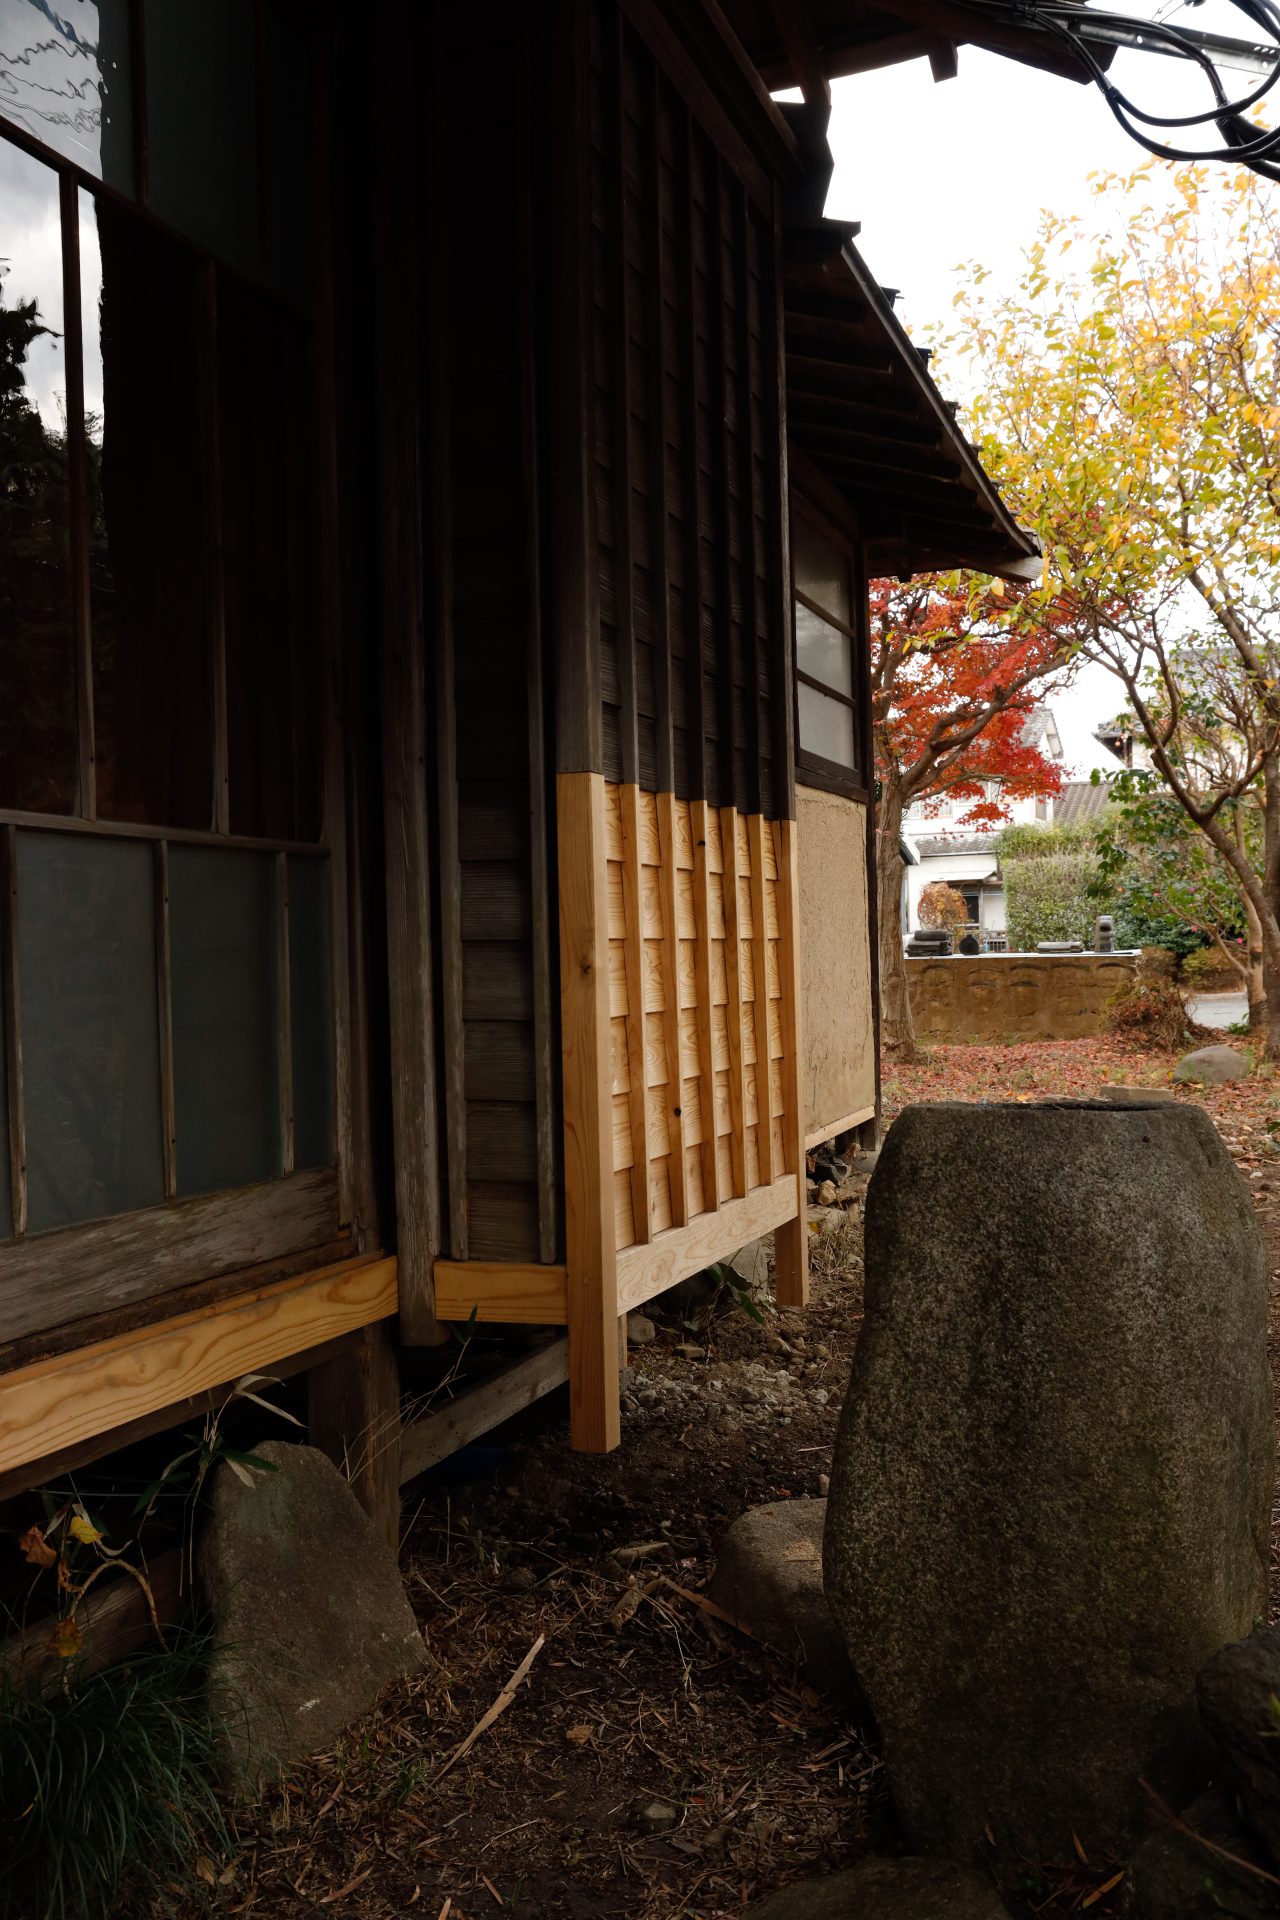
{"x": 655, "y": 1764}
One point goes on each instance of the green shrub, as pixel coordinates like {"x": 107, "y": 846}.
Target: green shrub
{"x": 1047, "y": 898}
{"x": 106, "y": 1792}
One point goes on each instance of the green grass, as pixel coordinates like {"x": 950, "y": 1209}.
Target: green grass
{"x": 106, "y": 1793}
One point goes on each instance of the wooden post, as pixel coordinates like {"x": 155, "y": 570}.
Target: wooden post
{"x": 791, "y": 1239}
{"x": 353, "y": 1411}
{"x": 591, "y": 1258}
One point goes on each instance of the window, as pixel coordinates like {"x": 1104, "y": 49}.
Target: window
{"x": 166, "y": 910}
{"x": 972, "y": 898}
{"x": 1042, "y": 808}
{"x": 829, "y": 661}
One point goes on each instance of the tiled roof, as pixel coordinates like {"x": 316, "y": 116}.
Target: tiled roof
{"x": 1080, "y": 800}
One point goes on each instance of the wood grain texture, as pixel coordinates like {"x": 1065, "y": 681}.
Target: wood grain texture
{"x": 634, "y": 962}
{"x": 733, "y": 1002}
{"x": 510, "y": 1292}
{"x": 114, "y": 1263}
{"x": 757, "y": 836}
{"x": 832, "y": 1131}
{"x": 668, "y": 878}
{"x": 409, "y": 885}
{"x": 478, "y": 1410}
{"x": 353, "y": 1415}
{"x": 699, "y": 817}
{"x": 592, "y": 1285}
{"x": 54, "y": 1403}
{"x": 791, "y": 1243}
{"x": 673, "y": 1256}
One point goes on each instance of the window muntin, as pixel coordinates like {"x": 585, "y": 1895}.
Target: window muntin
{"x": 828, "y": 734}
{"x": 181, "y": 976}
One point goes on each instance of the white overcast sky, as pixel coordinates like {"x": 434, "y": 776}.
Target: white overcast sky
{"x": 940, "y": 174}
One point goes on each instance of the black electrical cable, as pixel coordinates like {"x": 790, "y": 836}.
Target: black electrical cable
{"x": 1068, "y": 22}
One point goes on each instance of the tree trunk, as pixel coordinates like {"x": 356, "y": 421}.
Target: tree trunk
{"x": 1254, "y": 977}
{"x": 1269, "y": 922}
{"x": 897, "y": 1033}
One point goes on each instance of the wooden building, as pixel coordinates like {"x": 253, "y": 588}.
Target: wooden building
{"x": 438, "y": 486}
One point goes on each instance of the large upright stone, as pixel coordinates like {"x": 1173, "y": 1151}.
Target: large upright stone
{"x": 1051, "y": 1485}
{"x": 309, "y": 1617}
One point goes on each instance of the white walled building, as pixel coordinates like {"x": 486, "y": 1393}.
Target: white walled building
{"x": 965, "y": 857}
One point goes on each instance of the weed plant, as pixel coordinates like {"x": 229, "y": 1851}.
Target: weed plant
{"x": 107, "y": 1805}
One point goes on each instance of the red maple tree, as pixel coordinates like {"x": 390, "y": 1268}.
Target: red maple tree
{"x": 958, "y": 666}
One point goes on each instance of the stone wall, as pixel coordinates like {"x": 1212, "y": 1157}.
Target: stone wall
{"x": 1015, "y": 996}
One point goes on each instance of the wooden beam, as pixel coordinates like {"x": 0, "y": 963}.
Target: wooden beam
{"x": 829, "y": 1130}
{"x": 353, "y": 1415}
{"x": 179, "y": 1413}
{"x": 55, "y": 1278}
{"x": 791, "y": 1244}
{"x": 804, "y": 55}
{"x": 592, "y": 1305}
{"x": 633, "y": 967}
{"x": 668, "y": 883}
{"x": 760, "y": 980}
{"x": 409, "y": 880}
{"x": 644, "y": 1272}
{"x": 733, "y": 994}
{"x": 114, "y": 1621}
{"x": 56, "y": 1402}
{"x": 698, "y": 811}
{"x": 479, "y": 1409}
{"x": 511, "y": 1292}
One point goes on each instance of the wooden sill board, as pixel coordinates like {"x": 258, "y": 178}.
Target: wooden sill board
{"x": 55, "y": 1403}
{"x": 507, "y": 1292}
{"x": 825, "y": 1133}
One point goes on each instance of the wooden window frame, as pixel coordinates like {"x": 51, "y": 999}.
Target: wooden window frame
{"x": 121, "y": 1260}
{"x": 814, "y": 769}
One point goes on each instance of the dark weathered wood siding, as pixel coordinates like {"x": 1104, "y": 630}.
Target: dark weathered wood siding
{"x": 682, "y": 346}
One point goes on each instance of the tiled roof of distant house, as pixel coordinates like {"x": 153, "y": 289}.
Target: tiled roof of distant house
{"x": 957, "y": 843}
{"x": 1080, "y": 800}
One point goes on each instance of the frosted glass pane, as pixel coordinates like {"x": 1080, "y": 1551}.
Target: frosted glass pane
{"x": 821, "y": 569}
{"x": 823, "y": 652}
{"x": 311, "y": 1010}
{"x": 826, "y": 726}
{"x": 90, "y": 1031}
{"x": 225, "y": 1061}
{"x": 64, "y": 77}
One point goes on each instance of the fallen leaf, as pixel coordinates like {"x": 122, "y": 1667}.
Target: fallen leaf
{"x": 579, "y": 1735}
{"x": 66, "y": 1638}
{"x": 84, "y": 1531}
{"x": 35, "y": 1549}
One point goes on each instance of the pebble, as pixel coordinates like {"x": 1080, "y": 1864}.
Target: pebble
{"x": 648, "y": 1397}
{"x": 641, "y": 1331}
{"x": 821, "y": 1395}
{"x": 824, "y": 1484}
{"x": 657, "y": 1816}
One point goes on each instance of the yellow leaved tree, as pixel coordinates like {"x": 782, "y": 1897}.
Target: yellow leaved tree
{"x": 1127, "y": 399}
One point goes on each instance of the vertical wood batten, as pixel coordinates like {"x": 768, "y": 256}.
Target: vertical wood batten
{"x": 78, "y": 496}
{"x": 722, "y": 503}
{"x": 791, "y": 1240}
{"x": 862, "y": 666}
{"x": 342, "y": 787}
{"x": 10, "y": 990}
{"x": 659, "y": 564}
{"x": 591, "y": 1259}
{"x": 437, "y": 424}
{"x": 637, "y": 1056}
{"x": 404, "y": 767}
{"x": 620, "y": 397}
{"x": 702, "y": 989}
{"x": 747, "y": 494}
{"x": 760, "y": 970}
{"x": 692, "y": 529}
{"x": 539, "y": 861}
{"x": 164, "y": 984}
{"x": 284, "y": 1014}
{"x": 733, "y": 1008}
{"x": 778, "y": 553}
{"x": 677, "y": 1171}
{"x": 217, "y": 599}
{"x": 573, "y": 543}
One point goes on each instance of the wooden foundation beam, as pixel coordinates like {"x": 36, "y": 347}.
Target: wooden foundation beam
{"x": 791, "y": 1242}
{"x": 353, "y": 1414}
{"x": 479, "y": 1409}
{"x": 591, "y": 1261}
